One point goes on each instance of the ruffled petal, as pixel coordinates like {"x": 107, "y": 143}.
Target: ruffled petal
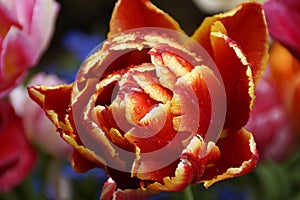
{"x": 188, "y": 169}
{"x": 238, "y": 156}
{"x": 110, "y": 191}
{"x": 237, "y": 77}
{"x": 54, "y": 101}
{"x": 183, "y": 177}
{"x": 240, "y": 58}
{"x": 252, "y": 38}
{"x": 130, "y": 14}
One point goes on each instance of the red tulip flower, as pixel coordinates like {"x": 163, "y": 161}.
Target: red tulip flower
{"x": 142, "y": 106}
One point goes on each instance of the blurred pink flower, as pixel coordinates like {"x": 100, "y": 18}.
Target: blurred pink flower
{"x": 270, "y": 122}
{"x": 26, "y": 27}
{"x": 17, "y": 157}
{"x": 38, "y": 128}
{"x": 283, "y": 17}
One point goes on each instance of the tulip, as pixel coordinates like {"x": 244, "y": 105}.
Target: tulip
{"x": 142, "y": 106}
{"x": 25, "y": 31}
{"x": 17, "y": 155}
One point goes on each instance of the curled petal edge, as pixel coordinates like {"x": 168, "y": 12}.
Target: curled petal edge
{"x": 246, "y": 166}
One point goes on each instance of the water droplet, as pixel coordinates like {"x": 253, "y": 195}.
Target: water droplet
{"x": 137, "y": 110}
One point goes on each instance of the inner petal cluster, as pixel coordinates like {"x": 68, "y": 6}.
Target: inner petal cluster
{"x": 154, "y": 105}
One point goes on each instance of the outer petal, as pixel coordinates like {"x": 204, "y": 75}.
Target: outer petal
{"x": 15, "y": 58}
{"x": 55, "y": 102}
{"x": 42, "y": 24}
{"x": 251, "y": 37}
{"x": 109, "y": 191}
{"x": 237, "y": 77}
{"x": 79, "y": 163}
{"x": 8, "y": 17}
{"x": 238, "y": 156}
{"x": 130, "y": 14}
{"x": 241, "y": 60}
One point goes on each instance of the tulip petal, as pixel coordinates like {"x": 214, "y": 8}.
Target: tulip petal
{"x": 238, "y": 156}
{"x": 83, "y": 158}
{"x": 79, "y": 163}
{"x": 188, "y": 169}
{"x": 237, "y": 78}
{"x": 241, "y": 60}
{"x": 149, "y": 135}
{"x": 183, "y": 176}
{"x": 8, "y": 17}
{"x": 192, "y": 101}
{"x": 110, "y": 191}
{"x": 43, "y": 24}
{"x": 55, "y": 102}
{"x": 130, "y": 14}
{"x": 251, "y": 37}
{"x": 15, "y": 58}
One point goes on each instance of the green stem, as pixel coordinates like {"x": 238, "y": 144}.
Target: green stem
{"x": 188, "y": 193}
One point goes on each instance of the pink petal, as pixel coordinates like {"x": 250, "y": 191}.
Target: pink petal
{"x": 283, "y": 19}
{"x": 17, "y": 155}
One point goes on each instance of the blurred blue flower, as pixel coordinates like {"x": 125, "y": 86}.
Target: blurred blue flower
{"x": 81, "y": 44}
{"x": 68, "y": 172}
{"x": 160, "y": 196}
{"x": 66, "y": 73}
{"x": 77, "y": 46}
